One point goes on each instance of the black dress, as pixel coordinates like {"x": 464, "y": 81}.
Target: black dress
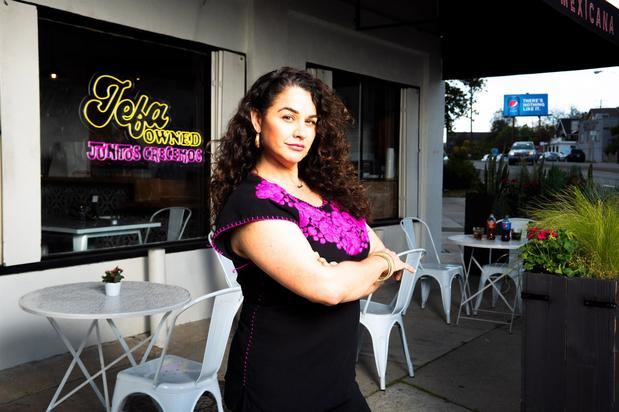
{"x": 290, "y": 354}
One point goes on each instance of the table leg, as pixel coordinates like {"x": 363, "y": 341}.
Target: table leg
{"x": 464, "y": 300}
{"x": 128, "y": 353}
{"x": 102, "y": 364}
{"x": 512, "y": 308}
{"x": 76, "y": 360}
{"x": 122, "y": 342}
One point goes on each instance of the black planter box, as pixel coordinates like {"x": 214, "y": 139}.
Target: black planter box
{"x": 569, "y": 344}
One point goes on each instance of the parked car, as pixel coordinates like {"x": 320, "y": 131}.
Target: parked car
{"x": 576, "y": 155}
{"x": 488, "y": 156}
{"x": 552, "y": 156}
{"x": 522, "y": 150}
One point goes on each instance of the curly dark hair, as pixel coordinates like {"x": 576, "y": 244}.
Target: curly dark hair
{"x": 326, "y": 168}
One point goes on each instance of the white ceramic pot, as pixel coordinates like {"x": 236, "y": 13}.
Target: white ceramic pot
{"x": 112, "y": 289}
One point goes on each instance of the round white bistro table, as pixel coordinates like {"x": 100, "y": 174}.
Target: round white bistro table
{"x": 87, "y": 301}
{"x": 468, "y": 240}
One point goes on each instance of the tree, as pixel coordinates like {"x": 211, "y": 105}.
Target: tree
{"x": 460, "y": 97}
{"x": 544, "y": 133}
{"x": 474, "y": 86}
{"x": 576, "y": 114}
{"x": 499, "y": 122}
{"x": 455, "y": 104}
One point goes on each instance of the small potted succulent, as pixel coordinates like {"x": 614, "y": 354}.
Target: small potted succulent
{"x": 112, "y": 280}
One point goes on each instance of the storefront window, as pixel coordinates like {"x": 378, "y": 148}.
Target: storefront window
{"x": 374, "y": 138}
{"x": 123, "y": 123}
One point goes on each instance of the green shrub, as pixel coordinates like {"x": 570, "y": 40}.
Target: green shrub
{"x": 550, "y": 251}
{"x": 459, "y": 174}
{"x": 592, "y": 217}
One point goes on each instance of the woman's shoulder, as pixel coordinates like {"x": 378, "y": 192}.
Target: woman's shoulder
{"x": 254, "y": 198}
{"x": 244, "y": 192}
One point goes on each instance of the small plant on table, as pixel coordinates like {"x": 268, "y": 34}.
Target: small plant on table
{"x": 113, "y": 276}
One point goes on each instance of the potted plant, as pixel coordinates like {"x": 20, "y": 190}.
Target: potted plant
{"x": 112, "y": 279}
{"x": 570, "y": 293}
{"x": 552, "y": 251}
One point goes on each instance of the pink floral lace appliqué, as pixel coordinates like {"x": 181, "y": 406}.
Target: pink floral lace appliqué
{"x": 337, "y": 226}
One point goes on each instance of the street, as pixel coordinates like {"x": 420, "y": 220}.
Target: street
{"x": 604, "y": 174}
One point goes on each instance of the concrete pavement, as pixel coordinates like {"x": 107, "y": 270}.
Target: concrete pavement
{"x": 473, "y": 366}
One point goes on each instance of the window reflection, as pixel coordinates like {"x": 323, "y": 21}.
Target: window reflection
{"x": 374, "y": 138}
{"x": 108, "y": 168}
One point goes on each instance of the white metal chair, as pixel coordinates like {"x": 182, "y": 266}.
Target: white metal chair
{"x": 443, "y": 273}
{"x": 176, "y": 383}
{"x": 174, "y": 225}
{"x": 379, "y": 318}
{"x": 513, "y": 268}
{"x": 226, "y": 265}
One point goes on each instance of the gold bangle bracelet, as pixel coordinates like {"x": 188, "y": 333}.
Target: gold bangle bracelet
{"x": 385, "y": 274}
{"x": 389, "y": 272}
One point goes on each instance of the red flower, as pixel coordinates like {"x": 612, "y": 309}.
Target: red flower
{"x": 541, "y": 234}
{"x": 532, "y": 232}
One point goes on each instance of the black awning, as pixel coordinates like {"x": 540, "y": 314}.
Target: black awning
{"x": 496, "y": 38}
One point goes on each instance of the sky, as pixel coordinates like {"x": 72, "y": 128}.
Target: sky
{"x": 582, "y": 89}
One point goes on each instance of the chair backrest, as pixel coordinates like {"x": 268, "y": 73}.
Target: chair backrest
{"x": 413, "y": 257}
{"x": 415, "y": 228}
{"x": 407, "y": 282}
{"x": 175, "y": 224}
{"x": 517, "y": 223}
{"x": 520, "y": 223}
{"x": 226, "y": 265}
{"x": 226, "y": 304}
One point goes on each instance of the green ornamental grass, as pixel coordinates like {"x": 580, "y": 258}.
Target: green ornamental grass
{"x": 592, "y": 219}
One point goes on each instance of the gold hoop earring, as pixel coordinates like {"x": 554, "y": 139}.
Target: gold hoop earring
{"x": 257, "y": 141}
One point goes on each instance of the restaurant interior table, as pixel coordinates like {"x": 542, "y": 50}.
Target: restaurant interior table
{"x": 87, "y": 300}
{"x": 469, "y": 241}
{"x": 87, "y": 229}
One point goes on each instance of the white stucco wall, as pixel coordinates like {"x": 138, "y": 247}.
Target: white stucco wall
{"x": 217, "y": 23}
{"x": 25, "y": 337}
{"x": 270, "y": 33}
{"x": 19, "y": 86}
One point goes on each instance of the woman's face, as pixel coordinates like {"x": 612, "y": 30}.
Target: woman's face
{"x": 288, "y": 127}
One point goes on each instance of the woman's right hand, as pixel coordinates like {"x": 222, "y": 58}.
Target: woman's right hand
{"x": 399, "y": 266}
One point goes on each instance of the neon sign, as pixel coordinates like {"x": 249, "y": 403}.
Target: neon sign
{"x": 134, "y": 152}
{"x": 143, "y": 117}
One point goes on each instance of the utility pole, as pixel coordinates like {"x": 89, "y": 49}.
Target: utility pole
{"x": 598, "y": 72}
{"x": 471, "y": 111}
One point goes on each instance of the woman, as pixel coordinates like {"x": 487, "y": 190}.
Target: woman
{"x": 287, "y": 201}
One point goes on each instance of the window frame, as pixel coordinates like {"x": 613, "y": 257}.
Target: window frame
{"x": 400, "y": 158}
{"x": 100, "y": 255}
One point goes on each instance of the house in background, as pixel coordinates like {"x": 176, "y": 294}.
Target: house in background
{"x": 567, "y": 128}
{"x": 594, "y": 133}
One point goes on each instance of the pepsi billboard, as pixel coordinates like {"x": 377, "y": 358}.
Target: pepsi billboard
{"x": 525, "y": 105}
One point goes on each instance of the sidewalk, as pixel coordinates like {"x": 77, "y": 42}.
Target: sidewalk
{"x": 473, "y": 366}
